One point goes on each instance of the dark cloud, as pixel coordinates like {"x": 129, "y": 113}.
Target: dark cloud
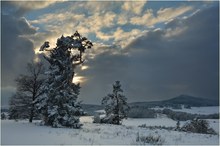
{"x": 104, "y": 70}
{"x": 6, "y": 92}
{"x": 16, "y": 49}
{"x": 189, "y": 60}
{"x": 162, "y": 64}
{"x": 20, "y": 8}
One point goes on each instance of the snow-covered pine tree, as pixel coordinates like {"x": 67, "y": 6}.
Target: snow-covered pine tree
{"x": 116, "y": 106}
{"x": 59, "y": 106}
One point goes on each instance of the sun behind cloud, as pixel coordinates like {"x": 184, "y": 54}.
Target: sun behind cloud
{"x": 79, "y": 79}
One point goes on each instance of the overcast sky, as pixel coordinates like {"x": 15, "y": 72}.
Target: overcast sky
{"x": 158, "y": 50}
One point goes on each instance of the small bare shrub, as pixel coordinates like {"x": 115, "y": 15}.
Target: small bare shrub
{"x": 156, "y": 127}
{"x": 96, "y": 119}
{"x": 150, "y": 139}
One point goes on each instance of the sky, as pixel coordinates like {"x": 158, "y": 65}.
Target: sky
{"x": 157, "y": 49}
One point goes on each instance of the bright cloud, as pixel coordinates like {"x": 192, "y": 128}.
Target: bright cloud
{"x": 170, "y": 33}
{"x": 170, "y": 13}
{"x": 23, "y": 7}
{"x": 32, "y": 4}
{"x": 163, "y": 15}
{"x": 120, "y": 36}
{"x": 134, "y": 6}
{"x": 58, "y": 17}
{"x": 103, "y": 15}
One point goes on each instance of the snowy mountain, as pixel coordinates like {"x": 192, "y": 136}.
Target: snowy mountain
{"x": 192, "y": 101}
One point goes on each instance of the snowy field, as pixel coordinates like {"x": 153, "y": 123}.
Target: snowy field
{"x": 196, "y": 110}
{"x": 150, "y": 122}
{"x": 24, "y": 133}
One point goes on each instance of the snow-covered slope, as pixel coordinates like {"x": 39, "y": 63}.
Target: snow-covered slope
{"x": 24, "y": 133}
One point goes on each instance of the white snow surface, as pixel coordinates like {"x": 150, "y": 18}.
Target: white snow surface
{"x": 163, "y": 121}
{"x": 196, "y": 110}
{"x": 24, "y": 133}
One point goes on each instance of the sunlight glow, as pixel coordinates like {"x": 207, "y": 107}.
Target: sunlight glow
{"x": 84, "y": 67}
{"x": 36, "y": 51}
{"x": 36, "y": 59}
{"x": 79, "y": 79}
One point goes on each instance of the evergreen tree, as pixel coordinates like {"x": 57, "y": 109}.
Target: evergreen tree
{"x": 116, "y": 106}
{"x": 29, "y": 87}
{"x": 59, "y": 105}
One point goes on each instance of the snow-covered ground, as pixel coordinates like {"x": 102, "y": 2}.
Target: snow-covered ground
{"x": 164, "y": 121}
{"x": 197, "y": 110}
{"x": 24, "y": 133}
{"x": 214, "y": 123}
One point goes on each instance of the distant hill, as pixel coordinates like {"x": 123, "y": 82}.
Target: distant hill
{"x": 192, "y": 101}
{"x": 179, "y": 100}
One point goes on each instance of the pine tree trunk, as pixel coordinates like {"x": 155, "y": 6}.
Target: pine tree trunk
{"x": 32, "y": 107}
{"x": 117, "y": 111}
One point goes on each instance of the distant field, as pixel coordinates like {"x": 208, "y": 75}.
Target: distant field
{"x": 196, "y": 110}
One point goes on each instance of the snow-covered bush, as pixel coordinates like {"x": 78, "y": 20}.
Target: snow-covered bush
{"x": 3, "y": 116}
{"x": 110, "y": 119}
{"x": 97, "y": 119}
{"x": 198, "y": 126}
{"x": 150, "y": 139}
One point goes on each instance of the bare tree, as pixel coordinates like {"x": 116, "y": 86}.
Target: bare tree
{"x": 19, "y": 106}
{"x": 29, "y": 87}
